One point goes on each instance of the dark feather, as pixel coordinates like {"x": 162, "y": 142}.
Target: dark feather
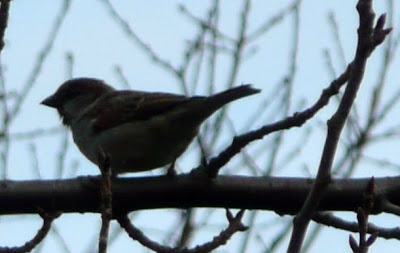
{"x": 121, "y": 107}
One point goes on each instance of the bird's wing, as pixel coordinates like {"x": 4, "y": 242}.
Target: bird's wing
{"x": 121, "y": 107}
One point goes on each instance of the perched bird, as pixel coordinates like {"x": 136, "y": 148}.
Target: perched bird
{"x": 138, "y": 130}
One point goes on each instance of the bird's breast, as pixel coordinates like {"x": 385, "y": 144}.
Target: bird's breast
{"x": 135, "y": 146}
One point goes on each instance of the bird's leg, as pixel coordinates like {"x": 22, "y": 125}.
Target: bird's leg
{"x": 171, "y": 172}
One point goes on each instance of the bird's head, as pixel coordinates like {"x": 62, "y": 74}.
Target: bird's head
{"x": 74, "y": 95}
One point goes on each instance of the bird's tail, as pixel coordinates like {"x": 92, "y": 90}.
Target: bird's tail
{"x": 220, "y": 99}
{"x": 206, "y": 106}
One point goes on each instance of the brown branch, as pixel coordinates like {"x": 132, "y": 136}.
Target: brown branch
{"x": 388, "y": 207}
{"x": 188, "y": 229}
{"x": 4, "y": 9}
{"x": 203, "y": 23}
{"x": 122, "y": 77}
{"x": 43, "y": 54}
{"x": 363, "y": 213}
{"x": 330, "y": 220}
{"x": 336, "y": 35}
{"x": 273, "y": 21}
{"x": 234, "y": 69}
{"x": 297, "y": 120}
{"x": 262, "y": 193}
{"x": 368, "y": 39}
{"x": 106, "y": 199}
{"x": 137, "y": 40}
{"x": 38, "y": 238}
{"x": 235, "y": 225}
{"x": 286, "y": 101}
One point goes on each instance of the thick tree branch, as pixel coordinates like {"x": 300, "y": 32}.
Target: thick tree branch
{"x": 282, "y": 195}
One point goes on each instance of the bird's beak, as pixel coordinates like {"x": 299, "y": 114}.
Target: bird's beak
{"x": 50, "y": 101}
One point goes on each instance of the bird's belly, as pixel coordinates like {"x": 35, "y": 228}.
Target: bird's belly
{"x": 134, "y": 147}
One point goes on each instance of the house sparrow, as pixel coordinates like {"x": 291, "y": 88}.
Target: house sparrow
{"x": 138, "y": 130}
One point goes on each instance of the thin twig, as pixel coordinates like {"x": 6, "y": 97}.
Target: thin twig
{"x": 328, "y": 219}
{"x": 137, "y": 40}
{"x": 209, "y": 26}
{"x": 273, "y": 21}
{"x": 35, "y": 134}
{"x": 121, "y": 76}
{"x": 240, "y": 45}
{"x": 362, "y": 217}
{"x": 62, "y": 153}
{"x": 289, "y": 80}
{"x": 298, "y": 119}
{"x": 338, "y": 41}
{"x": 235, "y": 225}
{"x": 40, "y": 60}
{"x": 38, "y": 238}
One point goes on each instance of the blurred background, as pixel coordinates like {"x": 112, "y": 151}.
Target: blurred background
{"x": 291, "y": 50}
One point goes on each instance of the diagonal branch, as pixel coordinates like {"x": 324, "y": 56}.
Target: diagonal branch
{"x": 368, "y": 38}
{"x": 137, "y": 40}
{"x": 43, "y": 54}
{"x": 38, "y": 238}
{"x": 297, "y": 120}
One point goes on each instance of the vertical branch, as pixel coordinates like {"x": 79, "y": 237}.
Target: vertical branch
{"x": 236, "y": 62}
{"x": 188, "y": 228}
{"x": 337, "y": 40}
{"x": 64, "y": 141}
{"x": 212, "y": 59}
{"x": 381, "y": 80}
{"x": 4, "y": 9}
{"x": 212, "y": 24}
{"x": 41, "y": 58}
{"x": 286, "y": 100}
{"x": 240, "y": 44}
{"x": 368, "y": 39}
{"x": 4, "y": 126}
{"x": 362, "y": 218}
{"x": 106, "y": 199}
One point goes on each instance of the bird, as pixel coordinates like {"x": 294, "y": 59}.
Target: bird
{"x": 138, "y": 130}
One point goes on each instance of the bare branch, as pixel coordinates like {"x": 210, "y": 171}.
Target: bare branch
{"x": 330, "y": 220}
{"x": 298, "y": 119}
{"x": 138, "y": 41}
{"x": 106, "y": 197}
{"x": 40, "y": 60}
{"x": 38, "y": 238}
{"x": 235, "y": 225}
{"x": 4, "y": 8}
{"x": 368, "y": 39}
